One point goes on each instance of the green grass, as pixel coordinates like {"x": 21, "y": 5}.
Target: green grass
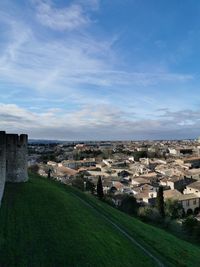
{"x": 43, "y": 223}
{"x": 170, "y": 249}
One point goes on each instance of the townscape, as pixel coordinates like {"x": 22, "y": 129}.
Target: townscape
{"x": 100, "y": 133}
{"x": 135, "y": 168}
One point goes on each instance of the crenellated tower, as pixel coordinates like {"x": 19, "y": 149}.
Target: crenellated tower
{"x": 2, "y": 162}
{"x": 13, "y": 159}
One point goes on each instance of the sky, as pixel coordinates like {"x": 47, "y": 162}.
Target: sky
{"x": 100, "y": 69}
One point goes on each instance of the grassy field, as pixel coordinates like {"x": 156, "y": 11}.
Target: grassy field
{"x": 170, "y": 249}
{"x": 43, "y": 223}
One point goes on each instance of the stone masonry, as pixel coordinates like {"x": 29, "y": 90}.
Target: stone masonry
{"x": 13, "y": 159}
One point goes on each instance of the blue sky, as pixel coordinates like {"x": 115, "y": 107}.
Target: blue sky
{"x": 100, "y": 69}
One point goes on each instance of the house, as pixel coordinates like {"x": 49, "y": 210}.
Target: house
{"x": 193, "y": 188}
{"x": 150, "y": 177}
{"x": 176, "y": 182}
{"x": 75, "y": 164}
{"x": 145, "y": 193}
{"x": 194, "y": 161}
{"x": 190, "y": 203}
{"x": 171, "y": 193}
{"x": 107, "y": 162}
{"x": 139, "y": 181}
{"x": 193, "y": 173}
{"x": 117, "y": 186}
{"x": 52, "y": 163}
{"x": 64, "y": 172}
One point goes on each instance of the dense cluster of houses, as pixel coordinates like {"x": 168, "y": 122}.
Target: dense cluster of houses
{"x": 178, "y": 171}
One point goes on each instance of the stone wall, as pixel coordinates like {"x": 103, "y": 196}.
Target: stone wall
{"x": 2, "y": 162}
{"x": 16, "y": 158}
{"x": 13, "y": 159}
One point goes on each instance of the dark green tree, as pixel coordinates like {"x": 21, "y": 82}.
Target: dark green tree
{"x": 100, "y": 188}
{"x": 173, "y": 209}
{"x": 49, "y": 173}
{"x": 90, "y": 187}
{"x": 160, "y": 202}
{"x": 129, "y": 205}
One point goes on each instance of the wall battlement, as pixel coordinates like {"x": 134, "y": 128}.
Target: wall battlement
{"x": 13, "y": 159}
{"x": 15, "y": 139}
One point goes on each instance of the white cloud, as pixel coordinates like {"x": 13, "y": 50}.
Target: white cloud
{"x": 67, "y": 66}
{"x": 69, "y": 18}
{"x": 91, "y": 122}
{"x": 69, "y": 70}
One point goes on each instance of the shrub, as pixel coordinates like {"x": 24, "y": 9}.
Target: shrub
{"x": 189, "y": 224}
{"x": 129, "y": 205}
{"x": 78, "y": 183}
{"x": 34, "y": 169}
{"x": 149, "y": 214}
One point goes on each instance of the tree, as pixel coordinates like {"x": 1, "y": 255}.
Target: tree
{"x": 148, "y": 213}
{"x": 49, "y": 173}
{"x": 160, "y": 202}
{"x": 100, "y": 188}
{"x": 129, "y": 205}
{"x": 90, "y": 187}
{"x": 34, "y": 169}
{"x": 173, "y": 209}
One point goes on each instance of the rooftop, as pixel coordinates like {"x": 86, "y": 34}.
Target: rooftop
{"x": 195, "y": 185}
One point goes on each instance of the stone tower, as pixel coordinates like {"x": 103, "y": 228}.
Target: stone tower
{"x": 16, "y": 158}
{"x": 13, "y": 159}
{"x": 2, "y": 162}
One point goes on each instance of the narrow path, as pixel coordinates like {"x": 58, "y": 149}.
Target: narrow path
{"x": 123, "y": 231}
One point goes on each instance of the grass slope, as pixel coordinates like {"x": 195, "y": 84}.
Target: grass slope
{"x": 171, "y": 250}
{"x": 43, "y": 223}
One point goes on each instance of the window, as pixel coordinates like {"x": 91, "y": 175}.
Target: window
{"x": 194, "y": 202}
{"x": 187, "y": 203}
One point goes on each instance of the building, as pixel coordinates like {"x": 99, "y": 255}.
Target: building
{"x": 76, "y": 164}
{"x": 193, "y": 188}
{"x": 176, "y": 182}
{"x": 190, "y": 203}
{"x": 13, "y": 159}
{"x": 194, "y": 161}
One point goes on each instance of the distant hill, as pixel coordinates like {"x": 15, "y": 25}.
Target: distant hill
{"x": 43, "y": 223}
{"x": 45, "y": 142}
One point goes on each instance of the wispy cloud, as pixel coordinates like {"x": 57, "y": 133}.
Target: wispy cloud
{"x": 53, "y": 60}
{"x": 71, "y": 17}
{"x": 67, "y": 64}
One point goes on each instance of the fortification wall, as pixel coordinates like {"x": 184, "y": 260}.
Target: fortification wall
{"x": 13, "y": 159}
{"x": 16, "y": 158}
{"x": 2, "y": 163}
